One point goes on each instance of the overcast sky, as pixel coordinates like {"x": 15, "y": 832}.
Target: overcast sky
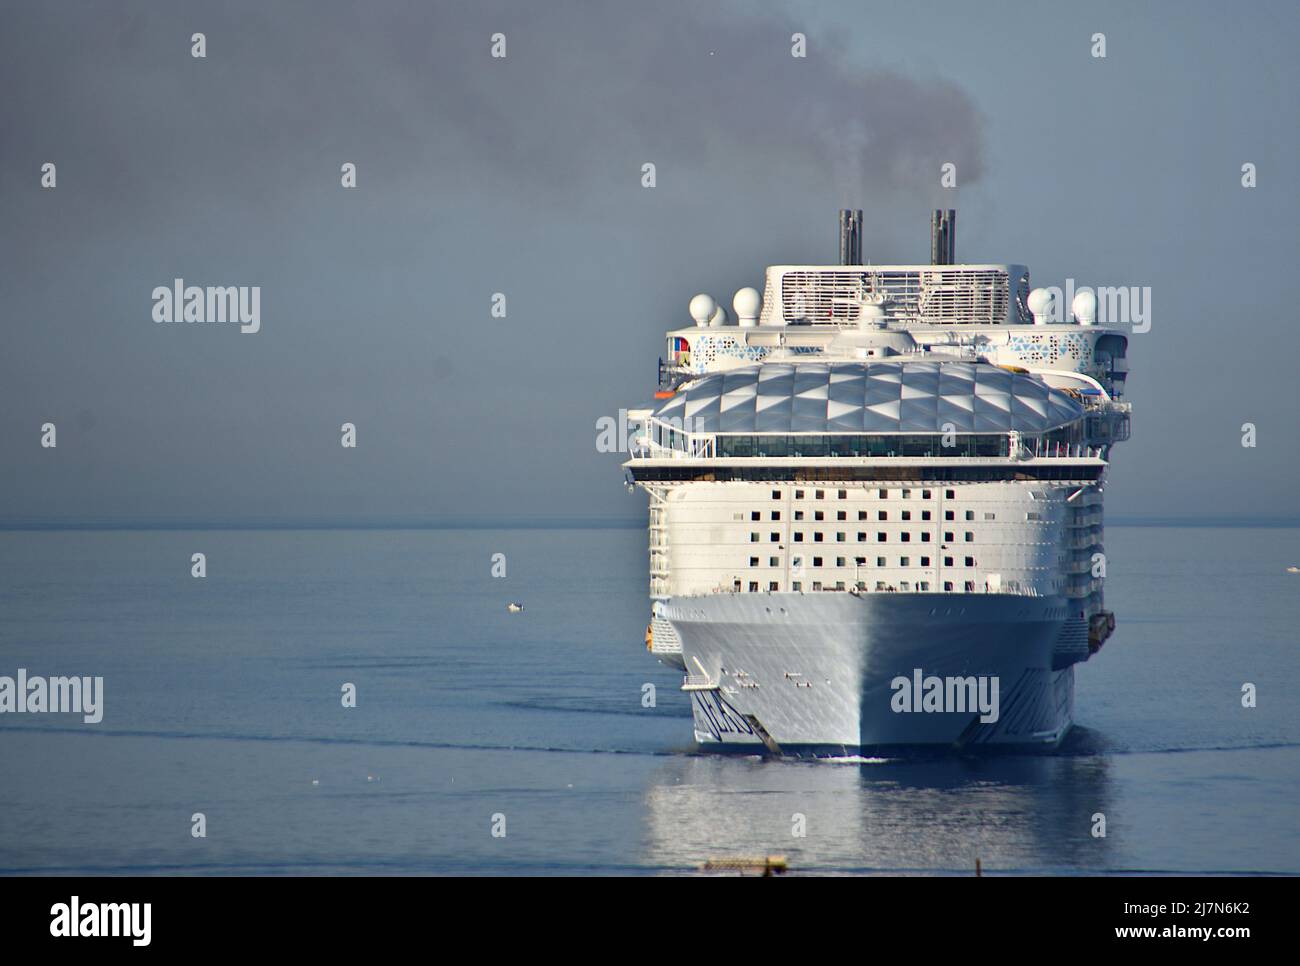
{"x": 522, "y": 175}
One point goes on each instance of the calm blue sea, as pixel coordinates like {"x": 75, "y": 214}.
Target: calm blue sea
{"x": 223, "y": 697}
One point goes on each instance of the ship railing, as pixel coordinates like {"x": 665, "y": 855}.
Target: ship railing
{"x": 688, "y": 447}
{"x": 684, "y": 446}
{"x": 1056, "y": 449}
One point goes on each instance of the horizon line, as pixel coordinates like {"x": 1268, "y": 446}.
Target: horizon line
{"x": 480, "y": 522}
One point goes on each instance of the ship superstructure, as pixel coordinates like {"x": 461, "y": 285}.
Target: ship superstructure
{"x": 876, "y": 504}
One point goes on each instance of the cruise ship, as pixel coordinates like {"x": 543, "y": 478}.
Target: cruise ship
{"x": 875, "y": 504}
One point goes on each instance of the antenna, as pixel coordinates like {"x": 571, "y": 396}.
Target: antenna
{"x": 943, "y": 237}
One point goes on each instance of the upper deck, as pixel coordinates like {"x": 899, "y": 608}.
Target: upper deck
{"x": 901, "y": 295}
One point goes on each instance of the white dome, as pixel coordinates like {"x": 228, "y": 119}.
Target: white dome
{"x": 702, "y": 308}
{"x": 1040, "y": 305}
{"x": 1085, "y": 307}
{"x": 747, "y": 302}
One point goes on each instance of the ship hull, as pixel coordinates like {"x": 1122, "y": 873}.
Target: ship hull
{"x": 842, "y": 674}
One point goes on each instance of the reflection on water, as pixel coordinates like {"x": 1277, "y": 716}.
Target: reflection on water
{"x": 1013, "y": 812}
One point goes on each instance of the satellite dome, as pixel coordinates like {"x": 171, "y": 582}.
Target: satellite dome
{"x": 747, "y": 302}
{"x": 1085, "y": 307}
{"x": 702, "y": 308}
{"x": 1040, "y": 305}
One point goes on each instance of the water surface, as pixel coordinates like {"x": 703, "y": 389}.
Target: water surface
{"x": 223, "y": 697}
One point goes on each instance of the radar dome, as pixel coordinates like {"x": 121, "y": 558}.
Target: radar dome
{"x": 747, "y": 302}
{"x": 1085, "y": 307}
{"x": 702, "y": 308}
{"x": 1040, "y": 305}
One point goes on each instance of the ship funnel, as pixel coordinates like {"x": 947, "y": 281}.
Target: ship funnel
{"x": 943, "y": 237}
{"x": 850, "y": 236}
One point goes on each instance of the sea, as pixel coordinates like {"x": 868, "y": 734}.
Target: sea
{"x": 362, "y": 702}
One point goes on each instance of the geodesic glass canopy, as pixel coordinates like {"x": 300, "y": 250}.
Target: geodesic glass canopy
{"x": 869, "y": 397}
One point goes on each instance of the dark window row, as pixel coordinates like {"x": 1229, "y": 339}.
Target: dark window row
{"x": 929, "y": 444}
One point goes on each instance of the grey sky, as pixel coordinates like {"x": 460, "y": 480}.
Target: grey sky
{"x": 523, "y": 176}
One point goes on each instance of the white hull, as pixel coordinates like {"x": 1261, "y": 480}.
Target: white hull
{"x": 812, "y": 673}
